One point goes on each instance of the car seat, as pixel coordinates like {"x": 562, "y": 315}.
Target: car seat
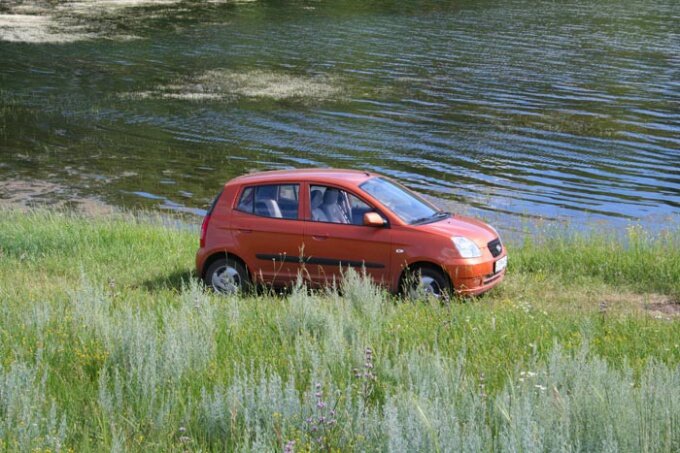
{"x": 331, "y": 207}
{"x": 268, "y": 208}
{"x": 317, "y": 200}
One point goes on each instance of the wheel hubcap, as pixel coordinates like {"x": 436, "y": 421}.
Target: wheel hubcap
{"x": 424, "y": 287}
{"x": 226, "y": 280}
{"x": 429, "y": 286}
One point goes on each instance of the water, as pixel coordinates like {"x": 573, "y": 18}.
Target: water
{"x": 507, "y": 109}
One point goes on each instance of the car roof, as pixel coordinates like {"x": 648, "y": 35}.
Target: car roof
{"x": 328, "y": 175}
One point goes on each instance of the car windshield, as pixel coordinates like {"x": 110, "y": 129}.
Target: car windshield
{"x": 402, "y": 202}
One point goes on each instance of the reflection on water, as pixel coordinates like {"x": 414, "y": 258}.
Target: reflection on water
{"x": 504, "y": 109}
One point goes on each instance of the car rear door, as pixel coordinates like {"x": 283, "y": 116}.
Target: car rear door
{"x": 335, "y": 237}
{"x": 267, "y": 225}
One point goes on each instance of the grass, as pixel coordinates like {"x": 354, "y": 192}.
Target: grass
{"x": 108, "y": 343}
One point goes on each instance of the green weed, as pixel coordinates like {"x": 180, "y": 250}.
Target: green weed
{"x": 108, "y": 342}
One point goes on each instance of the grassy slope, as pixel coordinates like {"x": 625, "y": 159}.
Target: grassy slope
{"x": 106, "y": 342}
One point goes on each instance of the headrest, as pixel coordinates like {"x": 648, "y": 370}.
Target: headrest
{"x": 331, "y": 196}
{"x": 317, "y": 198}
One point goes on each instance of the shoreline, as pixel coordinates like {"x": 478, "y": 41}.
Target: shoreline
{"x": 27, "y": 193}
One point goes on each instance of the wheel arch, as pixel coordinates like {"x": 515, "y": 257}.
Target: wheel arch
{"x": 223, "y": 255}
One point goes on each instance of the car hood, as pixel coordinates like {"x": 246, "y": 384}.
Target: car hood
{"x": 477, "y": 231}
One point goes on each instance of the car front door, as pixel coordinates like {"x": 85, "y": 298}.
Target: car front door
{"x": 267, "y": 226}
{"x": 335, "y": 237}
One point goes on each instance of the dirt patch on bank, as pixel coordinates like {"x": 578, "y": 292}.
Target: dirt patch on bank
{"x": 39, "y": 28}
{"x": 533, "y": 292}
{"x": 27, "y": 193}
{"x": 66, "y": 21}
{"x": 658, "y": 305}
{"x": 44, "y": 21}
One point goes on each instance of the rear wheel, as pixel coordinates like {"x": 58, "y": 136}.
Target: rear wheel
{"x": 426, "y": 282}
{"x": 227, "y": 276}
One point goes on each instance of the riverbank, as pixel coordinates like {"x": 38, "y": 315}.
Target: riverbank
{"x": 107, "y": 342}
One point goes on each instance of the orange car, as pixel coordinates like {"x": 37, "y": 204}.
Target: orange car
{"x": 269, "y": 227}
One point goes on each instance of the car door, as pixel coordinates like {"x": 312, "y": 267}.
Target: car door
{"x": 267, "y": 226}
{"x": 335, "y": 236}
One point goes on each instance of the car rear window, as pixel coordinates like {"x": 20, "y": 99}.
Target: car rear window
{"x": 272, "y": 200}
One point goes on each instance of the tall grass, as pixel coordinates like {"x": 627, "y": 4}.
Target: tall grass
{"x": 107, "y": 342}
{"x": 640, "y": 260}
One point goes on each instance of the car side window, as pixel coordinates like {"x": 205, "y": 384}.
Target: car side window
{"x": 245, "y": 204}
{"x": 329, "y": 204}
{"x": 272, "y": 200}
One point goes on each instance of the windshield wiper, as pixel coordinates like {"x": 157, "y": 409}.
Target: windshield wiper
{"x": 439, "y": 215}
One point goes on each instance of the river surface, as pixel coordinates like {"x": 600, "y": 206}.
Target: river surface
{"x": 507, "y": 109}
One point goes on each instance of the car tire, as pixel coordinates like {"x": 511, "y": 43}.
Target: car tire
{"x": 426, "y": 281}
{"x": 227, "y": 276}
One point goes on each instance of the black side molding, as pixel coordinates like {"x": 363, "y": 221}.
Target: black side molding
{"x": 319, "y": 261}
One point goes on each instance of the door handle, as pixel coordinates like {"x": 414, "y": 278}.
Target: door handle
{"x": 245, "y": 231}
{"x": 320, "y": 237}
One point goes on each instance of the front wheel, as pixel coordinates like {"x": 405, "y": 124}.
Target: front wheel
{"x": 227, "y": 276}
{"x": 426, "y": 282}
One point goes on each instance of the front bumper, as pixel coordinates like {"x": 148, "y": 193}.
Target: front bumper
{"x": 477, "y": 286}
{"x": 473, "y": 279}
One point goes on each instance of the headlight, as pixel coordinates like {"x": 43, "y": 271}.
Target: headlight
{"x": 466, "y": 247}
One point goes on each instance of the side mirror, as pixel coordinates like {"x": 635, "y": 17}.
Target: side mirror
{"x": 374, "y": 219}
